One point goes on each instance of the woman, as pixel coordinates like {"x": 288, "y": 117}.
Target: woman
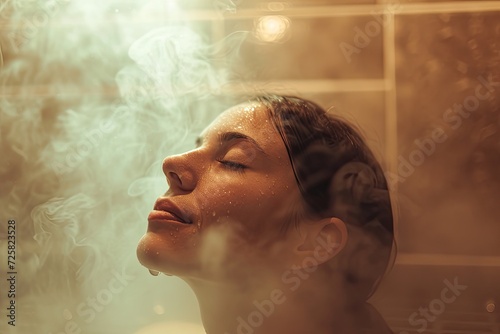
{"x": 280, "y": 221}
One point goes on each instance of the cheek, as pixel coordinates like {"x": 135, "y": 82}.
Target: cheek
{"x": 220, "y": 194}
{"x": 241, "y": 213}
{"x": 257, "y": 209}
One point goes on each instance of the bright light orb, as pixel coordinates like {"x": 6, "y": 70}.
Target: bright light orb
{"x": 272, "y": 28}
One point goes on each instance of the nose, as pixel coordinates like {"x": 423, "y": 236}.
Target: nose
{"x": 181, "y": 176}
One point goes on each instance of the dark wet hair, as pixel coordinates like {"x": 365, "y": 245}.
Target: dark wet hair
{"x": 338, "y": 176}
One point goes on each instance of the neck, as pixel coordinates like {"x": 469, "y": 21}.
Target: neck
{"x": 265, "y": 306}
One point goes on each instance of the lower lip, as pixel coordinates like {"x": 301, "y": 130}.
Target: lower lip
{"x": 163, "y": 216}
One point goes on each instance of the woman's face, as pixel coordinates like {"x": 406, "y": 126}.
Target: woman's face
{"x": 234, "y": 192}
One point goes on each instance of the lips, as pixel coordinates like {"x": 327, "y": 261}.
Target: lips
{"x": 165, "y": 209}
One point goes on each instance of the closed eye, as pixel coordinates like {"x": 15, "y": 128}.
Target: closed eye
{"x": 233, "y": 165}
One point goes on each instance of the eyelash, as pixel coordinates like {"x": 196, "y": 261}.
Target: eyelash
{"x": 233, "y": 165}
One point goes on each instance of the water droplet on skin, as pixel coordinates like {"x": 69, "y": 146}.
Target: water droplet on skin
{"x": 213, "y": 213}
{"x": 261, "y": 192}
{"x": 177, "y": 229}
{"x": 171, "y": 233}
{"x": 227, "y": 211}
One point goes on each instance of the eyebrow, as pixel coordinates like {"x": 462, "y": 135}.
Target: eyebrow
{"x": 227, "y": 137}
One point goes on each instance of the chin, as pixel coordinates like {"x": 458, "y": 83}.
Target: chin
{"x": 166, "y": 256}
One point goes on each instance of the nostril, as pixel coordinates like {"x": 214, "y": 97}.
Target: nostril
{"x": 174, "y": 177}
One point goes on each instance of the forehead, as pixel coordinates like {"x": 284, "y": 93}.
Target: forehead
{"x": 245, "y": 115}
{"x": 250, "y": 119}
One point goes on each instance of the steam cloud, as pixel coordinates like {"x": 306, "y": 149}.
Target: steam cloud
{"x": 88, "y": 111}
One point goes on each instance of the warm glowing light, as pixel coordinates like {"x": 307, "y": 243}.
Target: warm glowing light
{"x": 272, "y": 28}
{"x": 172, "y": 327}
{"x": 490, "y": 307}
{"x": 158, "y": 309}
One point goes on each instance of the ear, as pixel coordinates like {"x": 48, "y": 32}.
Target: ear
{"x": 319, "y": 241}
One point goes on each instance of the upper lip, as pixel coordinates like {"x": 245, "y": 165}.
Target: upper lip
{"x": 164, "y": 204}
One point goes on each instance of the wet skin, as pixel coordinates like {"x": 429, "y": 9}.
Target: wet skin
{"x": 239, "y": 191}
